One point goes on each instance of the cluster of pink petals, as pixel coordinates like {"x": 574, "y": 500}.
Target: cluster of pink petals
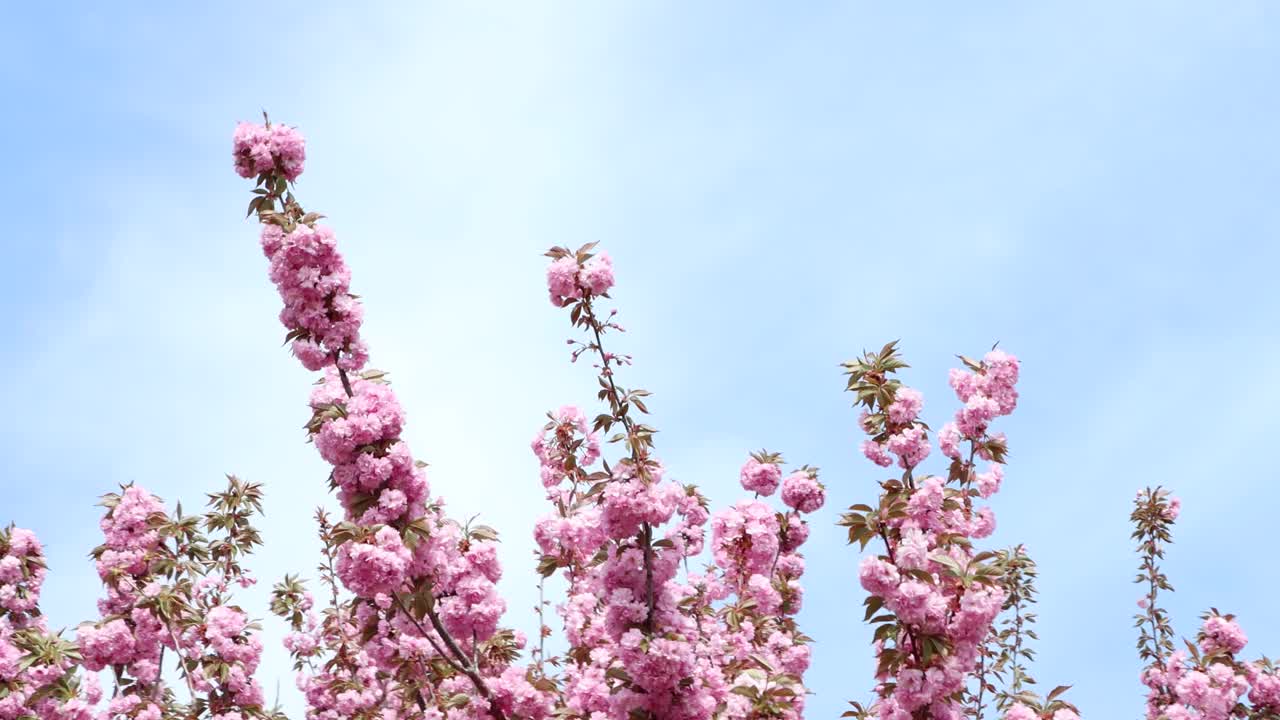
{"x": 555, "y": 444}
{"x": 25, "y": 684}
{"x": 129, "y": 636}
{"x": 567, "y": 279}
{"x": 1220, "y": 635}
{"x": 374, "y": 472}
{"x": 923, "y": 536}
{"x": 322, "y": 315}
{"x": 759, "y": 477}
{"x": 22, "y": 573}
{"x": 986, "y": 395}
{"x": 908, "y": 440}
{"x": 1213, "y": 686}
{"x": 680, "y": 660}
{"x": 260, "y": 149}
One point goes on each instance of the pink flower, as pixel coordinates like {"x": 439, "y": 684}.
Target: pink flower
{"x": 905, "y": 406}
{"x": 911, "y": 446}
{"x": 1218, "y": 634}
{"x": 802, "y": 491}
{"x": 760, "y": 477}
{"x": 989, "y": 481}
{"x": 562, "y": 280}
{"x": 878, "y": 576}
{"x": 375, "y": 567}
{"x": 597, "y": 274}
{"x": 949, "y": 441}
{"x": 876, "y": 453}
{"x": 258, "y": 149}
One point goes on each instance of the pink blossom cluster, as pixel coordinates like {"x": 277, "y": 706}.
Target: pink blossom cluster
{"x": 322, "y": 315}
{"x": 229, "y": 653}
{"x": 128, "y": 637}
{"x": 925, "y": 523}
{"x": 650, "y": 639}
{"x": 136, "y": 629}
{"x": 802, "y": 492}
{"x": 22, "y": 573}
{"x": 760, "y": 475}
{"x": 374, "y": 472}
{"x": 158, "y": 598}
{"x": 645, "y": 641}
{"x": 566, "y": 450}
{"x": 385, "y": 491}
{"x": 1212, "y": 686}
{"x": 265, "y": 149}
{"x": 25, "y": 686}
{"x": 573, "y": 277}
{"x": 904, "y": 435}
{"x": 987, "y": 392}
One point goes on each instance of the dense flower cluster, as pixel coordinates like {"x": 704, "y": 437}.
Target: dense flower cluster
{"x": 645, "y": 642}
{"x": 260, "y": 149}
{"x": 569, "y": 278}
{"x": 22, "y": 573}
{"x": 322, "y": 315}
{"x": 941, "y": 596}
{"x": 167, "y": 589}
{"x": 44, "y": 686}
{"x": 1210, "y": 683}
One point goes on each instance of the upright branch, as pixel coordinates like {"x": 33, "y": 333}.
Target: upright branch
{"x": 1154, "y": 512}
{"x": 577, "y": 280}
{"x": 1013, "y": 653}
{"x": 719, "y": 644}
{"x": 1207, "y": 679}
{"x": 420, "y": 579}
{"x": 932, "y": 597}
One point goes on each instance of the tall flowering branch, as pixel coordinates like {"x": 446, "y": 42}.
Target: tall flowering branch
{"x": 1206, "y": 681}
{"x": 1153, "y": 515}
{"x": 1012, "y": 639}
{"x": 575, "y": 280}
{"x": 643, "y": 644}
{"x": 1005, "y": 653}
{"x": 426, "y": 585}
{"x": 933, "y": 597}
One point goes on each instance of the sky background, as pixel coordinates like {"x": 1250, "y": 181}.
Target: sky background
{"x": 1092, "y": 184}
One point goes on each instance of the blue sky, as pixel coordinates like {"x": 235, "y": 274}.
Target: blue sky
{"x": 1091, "y": 184}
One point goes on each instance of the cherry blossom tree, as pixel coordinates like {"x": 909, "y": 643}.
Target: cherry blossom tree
{"x": 659, "y": 620}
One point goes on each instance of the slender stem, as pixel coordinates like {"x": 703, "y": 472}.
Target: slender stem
{"x": 1149, "y": 561}
{"x": 426, "y": 634}
{"x": 468, "y": 671}
{"x": 979, "y": 704}
{"x": 177, "y": 648}
{"x": 637, "y": 455}
{"x": 915, "y": 649}
{"x": 542, "y": 624}
{"x": 1017, "y": 668}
